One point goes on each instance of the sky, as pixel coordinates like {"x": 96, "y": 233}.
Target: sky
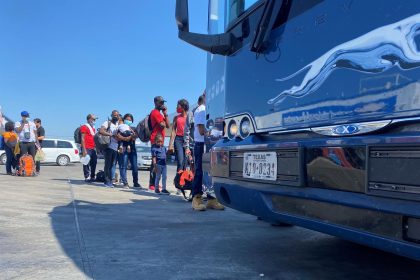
{"x": 61, "y": 60}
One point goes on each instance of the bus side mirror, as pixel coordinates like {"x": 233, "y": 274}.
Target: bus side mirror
{"x": 181, "y": 15}
{"x": 223, "y": 44}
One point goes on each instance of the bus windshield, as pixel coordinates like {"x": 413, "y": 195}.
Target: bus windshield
{"x": 235, "y": 8}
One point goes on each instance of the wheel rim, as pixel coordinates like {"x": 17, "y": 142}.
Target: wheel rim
{"x": 3, "y": 159}
{"x": 63, "y": 160}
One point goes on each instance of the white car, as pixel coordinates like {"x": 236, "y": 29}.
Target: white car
{"x": 61, "y": 152}
{"x": 144, "y": 157}
{"x": 2, "y": 157}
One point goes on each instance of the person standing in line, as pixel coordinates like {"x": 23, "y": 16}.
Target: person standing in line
{"x": 176, "y": 143}
{"x": 129, "y": 155}
{"x": 87, "y": 132}
{"x": 159, "y": 162}
{"x": 199, "y": 133}
{"x": 41, "y": 136}
{"x": 27, "y": 135}
{"x": 159, "y": 121}
{"x": 10, "y": 141}
{"x": 109, "y": 128}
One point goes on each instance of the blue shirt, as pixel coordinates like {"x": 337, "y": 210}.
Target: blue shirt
{"x": 160, "y": 154}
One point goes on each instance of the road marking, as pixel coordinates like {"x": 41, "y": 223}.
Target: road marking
{"x": 87, "y": 268}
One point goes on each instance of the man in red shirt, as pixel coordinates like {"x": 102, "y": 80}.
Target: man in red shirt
{"x": 159, "y": 121}
{"x": 87, "y": 132}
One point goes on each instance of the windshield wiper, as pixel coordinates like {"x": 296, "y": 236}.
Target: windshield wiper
{"x": 262, "y": 32}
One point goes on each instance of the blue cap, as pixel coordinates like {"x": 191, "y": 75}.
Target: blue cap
{"x": 24, "y": 114}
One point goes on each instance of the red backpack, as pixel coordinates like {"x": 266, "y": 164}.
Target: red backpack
{"x": 26, "y": 166}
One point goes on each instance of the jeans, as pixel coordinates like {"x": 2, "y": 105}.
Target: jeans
{"x": 161, "y": 172}
{"x": 90, "y": 170}
{"x": 110, "y": 160}
{"x": 123, "y": 160}
{"x": 37, "y": 166}
{"x": 28, "y": 148}
{"x": 152, "y": 178}
{"x": 198, "y": 175}
{"x": 10, "y": 159}
{"x": 179, "y": 152}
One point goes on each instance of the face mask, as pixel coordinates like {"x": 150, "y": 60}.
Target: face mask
{"x": 92, "y": 123}
{"x": 127, "y": 122}
{"x": 114, "y": 119}
{"x": 179, "y": 110}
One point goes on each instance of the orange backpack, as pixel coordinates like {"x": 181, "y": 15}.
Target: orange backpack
{"x": 26, "y": 166}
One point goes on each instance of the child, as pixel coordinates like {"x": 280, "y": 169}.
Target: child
{"x": 10, "y": 142}
{"x": 159, "y": 163}
{"x": 125, "y": 131}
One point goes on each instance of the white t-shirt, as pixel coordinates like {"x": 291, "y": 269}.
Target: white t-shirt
{"x": 199, "y": 118}
{"x": 123, "y": 128}
{"x": 29, "y": 127}
{"x": 113, "y": 130}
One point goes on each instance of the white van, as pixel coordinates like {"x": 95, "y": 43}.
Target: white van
{"x": 61, "y": 152}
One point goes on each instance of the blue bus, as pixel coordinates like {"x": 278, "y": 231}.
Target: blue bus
{"x": 314, "y": 113}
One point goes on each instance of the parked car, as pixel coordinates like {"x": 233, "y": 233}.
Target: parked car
{"x": 144, "y": 157}
{"x": 2, "y": 157}
{"x": 61, "y": 152}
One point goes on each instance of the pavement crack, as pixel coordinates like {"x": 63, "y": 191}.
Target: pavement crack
{"x": 86, "y": 263}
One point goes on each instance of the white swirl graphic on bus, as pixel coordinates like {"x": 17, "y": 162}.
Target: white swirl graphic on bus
{"x": 375, "y": 52}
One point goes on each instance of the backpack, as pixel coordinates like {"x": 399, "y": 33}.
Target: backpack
{"x": 78, "y": 136}
{"x": 184, "y": 178}
{"x": 100, "y": 176}
{"x": 144, "y": 129}
{"x": 26, "y": 166}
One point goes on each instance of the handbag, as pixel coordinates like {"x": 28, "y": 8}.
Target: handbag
{"x": 102, "y": 141}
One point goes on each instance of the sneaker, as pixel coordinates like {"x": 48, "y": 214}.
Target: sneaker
{"x": 157, "y": 191}
{"x": 165, "y": 192}
{"x": 88, "y": 181}
{"x": 118, "y": 184}
{"x": 214, "y": 204}
{"x": 109, "y": 185}
{"x": 126, "y": 186}
{"x": 152, "y": 188}
{"x": 197, "y": 203}
{"x": 9, "y": 173}
{"x": 138, "y": 186}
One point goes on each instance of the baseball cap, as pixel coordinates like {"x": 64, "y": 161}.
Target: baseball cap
{"x": 159, "y": 99}
{"x": 24, "y": 114}
{"x": 91, "y": 116}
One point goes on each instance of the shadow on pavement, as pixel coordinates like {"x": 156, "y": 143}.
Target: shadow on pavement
{"x": 160, "y": 237}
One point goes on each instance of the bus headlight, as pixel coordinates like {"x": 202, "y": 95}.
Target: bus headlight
{"x": 232, "y": 129}
{"x": 245, "y": 127}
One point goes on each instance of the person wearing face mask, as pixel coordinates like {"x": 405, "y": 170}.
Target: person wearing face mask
{"x": 110, "y": 128}
{"x": 128, "y": 152}
{"x": 176, "y": 144}
{"x": 87, "y": 132}
{"x": 159, "y": 121}
{"x": 27, "y": 132}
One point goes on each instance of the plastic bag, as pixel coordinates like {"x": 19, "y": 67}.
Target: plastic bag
{"x": 17, "y": 149}
{"x": 40, "y": 155}
{"x": 85, "y": 160}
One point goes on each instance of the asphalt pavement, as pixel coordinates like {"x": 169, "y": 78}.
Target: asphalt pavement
{"x": 55, "y": 226}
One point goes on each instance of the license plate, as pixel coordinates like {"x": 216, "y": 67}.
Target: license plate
{"x": 260, "y": 166}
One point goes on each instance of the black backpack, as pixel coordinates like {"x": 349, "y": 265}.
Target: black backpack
{"x": 78, "y": 136}
{"x": 100, "y": 176}
{"x": 144, "y": 129}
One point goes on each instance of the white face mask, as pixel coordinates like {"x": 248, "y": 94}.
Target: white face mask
{"x": 92, "y": 123}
